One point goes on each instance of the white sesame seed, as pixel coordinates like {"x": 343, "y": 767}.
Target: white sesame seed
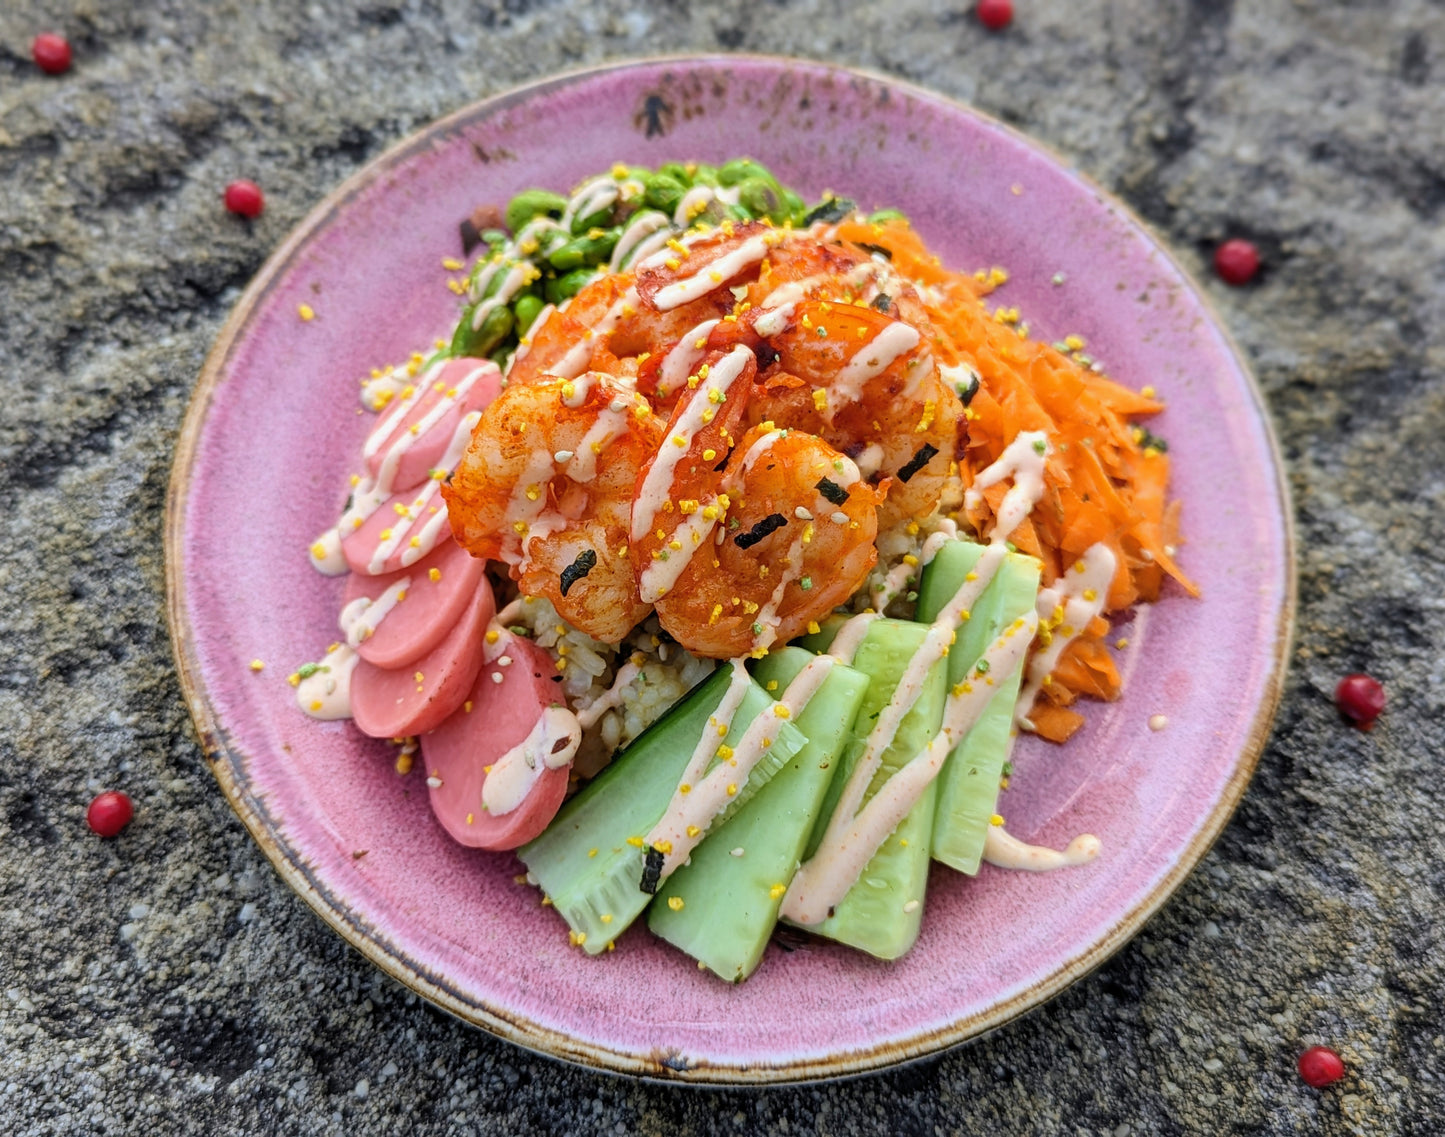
{"x": 496, "y": 676}
{"x": 563, "y": 456}
{"x": 505, "y": 661}
{"x": 434, "y": 782}
{"x": 839, "y": 517}
{"x": 802, "y": 514}
{"x": 738, "y": 852}
{"x": 911, "y": 906}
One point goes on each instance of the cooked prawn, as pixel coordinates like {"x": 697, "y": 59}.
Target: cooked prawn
{"x": 867, "y": 384}
{"x": 546, "y": 486}
{"x": 796, "y": 540}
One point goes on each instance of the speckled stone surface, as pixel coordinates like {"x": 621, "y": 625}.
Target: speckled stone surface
{"x": 166, "y": 982}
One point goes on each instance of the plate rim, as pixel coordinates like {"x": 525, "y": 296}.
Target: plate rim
{"x": 222, "y": 752}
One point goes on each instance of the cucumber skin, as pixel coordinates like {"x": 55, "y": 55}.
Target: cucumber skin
{"x": 626, "y": 800}
{"x": 871, "y": 916}
{"x": 968, "y": 786}
{"x": 728, "y": 911}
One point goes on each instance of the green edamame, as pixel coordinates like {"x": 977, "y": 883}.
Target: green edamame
{"x": 762, "y": 198}
{"x": 573, "y": 283}
{"x": 741, "y": 169}
{"x": 531, "y": 203}
{"x": 664, "y": 192}
{"x": 496, "y": 327}
{"x": 525, "y": 310}
{"x": 590, "y": 249}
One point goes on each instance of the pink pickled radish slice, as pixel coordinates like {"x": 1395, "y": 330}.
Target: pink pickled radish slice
{"x": 394, "y": 704}
{"x": 410, "y": 525}
{"x": 501, "y": 716}
{"x": 429, "y": 608}
{"x": 461, "y": 386}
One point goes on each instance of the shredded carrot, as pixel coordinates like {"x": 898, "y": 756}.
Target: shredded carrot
{"x": 1105, "y": 480}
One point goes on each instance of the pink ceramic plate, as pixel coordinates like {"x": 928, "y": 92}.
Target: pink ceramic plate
{"x": 273, "y": 432}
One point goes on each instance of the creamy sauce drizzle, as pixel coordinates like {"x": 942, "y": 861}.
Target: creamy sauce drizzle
{"x": 1066, "y": 609}
{"x": 1023, "y": 461}
{"x": 1006, "y": 851}
{"x": 684, "y": 357}
{"x": 873, "y": 359}
{"x": 551, "y": 745}
{"x": 363, "y": 615}
{"x": 610, "y": 699}
{"x": 706, "y": 280}
{"x": 689, "y": 814}
{"x": 658, "y": 483}
{"x": 326, "y": 693}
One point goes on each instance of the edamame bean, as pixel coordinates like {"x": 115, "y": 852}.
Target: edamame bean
{"x": 677, "y": 172}
{"x": 796, "y": 206}
{"x": 703, "y": 175}
{"x": 762, "y": 198}
{"x": 741, "y": 169}
{"x": 664, "y": 192}
{"x": 496, "y": 327}
{"x": 526, "y": 309}
{"x": 590, "y": 249}
{"x": 574, "y": 282}
{"x": 530, "y": 203}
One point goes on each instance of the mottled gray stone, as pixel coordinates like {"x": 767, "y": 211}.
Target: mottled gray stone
{"x": 168, "y": 983}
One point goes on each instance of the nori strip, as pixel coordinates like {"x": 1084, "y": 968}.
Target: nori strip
{"x": 886, "y": 254}
{"x": 830, "y": 209}
{"x": 586, "y": 561}
{"x": 917, "y": 462}
{"x": 881, "y": 303}
{"x": 832, "y": 491}
{"x": 767, "y": 525}
{"x": 652, "y": 871}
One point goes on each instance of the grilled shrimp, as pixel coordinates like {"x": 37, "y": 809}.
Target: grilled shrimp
{"x": 795, "y": 540}
{"x": 803, "y": 267}
{"x": 546, "y": 486}
{"x": 561, "y": 341}
{"x": 867, "y": 384}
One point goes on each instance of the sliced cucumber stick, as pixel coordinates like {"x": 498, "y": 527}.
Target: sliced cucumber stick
{"x": 969, "y": 784}
{"x": 882, "y": 912}
{"x": 589, "y": 862}
{"x": 721, "y": 907}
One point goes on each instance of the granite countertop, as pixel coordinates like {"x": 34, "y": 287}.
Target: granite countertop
{"x": 167, "y": 981}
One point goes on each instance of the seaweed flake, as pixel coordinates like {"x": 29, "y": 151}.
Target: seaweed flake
{"x": 767, "y": 525}
{"x": 586, "y": 561}
{"x": 881, "y": 303}
{"x": 917, "y": 462}
{"x": 651, "y": 871}
{"x": 830, "y": 209}
{"x": 832, "y": 491}
{"x": 1147, "y": 440}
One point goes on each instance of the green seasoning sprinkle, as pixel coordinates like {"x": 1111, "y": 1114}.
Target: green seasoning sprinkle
{"x": 822, "y": 331}
{"x": 981, "y": 667}
{"x": 306, "y": 670}
{"x": 806, "y": 584}
{"x": 838, "y": 464}
{"x": 1147, "y": 440}
{"x": 757, "y": 629}
{"x": 520, "y": 630}
{"x": 1040, "y": 446}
